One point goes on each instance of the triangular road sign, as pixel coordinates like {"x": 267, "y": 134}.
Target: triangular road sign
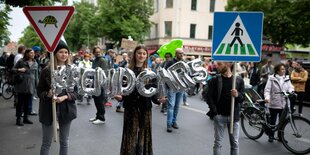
{"x": 49, "y": 22}
{"x": 236, "y": 42}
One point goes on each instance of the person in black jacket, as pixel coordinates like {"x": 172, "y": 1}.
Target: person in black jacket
{"x": 219, "y": 101}
{"x": 99, "y": 61}
{"x": 137, "y": 128}
{"x": 254, "y": 75}
{"x": 27, "y": 69}
{"x": 66, "y": 108}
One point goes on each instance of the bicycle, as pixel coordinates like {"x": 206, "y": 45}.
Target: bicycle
{"x": 8, "y": 91}
{"x": 7, "y": 88}
{"x": 293, "y": 130}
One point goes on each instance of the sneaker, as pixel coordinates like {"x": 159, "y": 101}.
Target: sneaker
{"x": 119, "y": 110}
{"x": 34, "y": 98}
{"x": 19, "y": 122}
{"x": 98, "y": 121}
{"x": 175, "y": 125}
{"x": 33, "y": 113}
{"x": 108, "y": 104}
{"x": 27, "y": 121}
{"x": 92, "y": 119}
{"x": 270, "y": 140}
{"x": 169, "y": 129}
{"x": 165, "y": 113}
{"x": 185, "y": 103}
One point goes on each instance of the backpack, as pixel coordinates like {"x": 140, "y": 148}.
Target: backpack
{"x": 205, "y": 88}
{"x": 2, "y": 61}
{"x": 10, "y": 61}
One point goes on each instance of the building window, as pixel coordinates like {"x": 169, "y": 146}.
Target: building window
{"x": 210, "y": 32}
{"x": 156, "y": 30}
{"x": 192, "y": 31}
{"x": 212, "y": 5}
{"x": 168, "y": 28}
{"x": 156, "y": 5}
{"x": 169, "y": 3}
{"x": 194, "y": 5}
{"x": 148, "y": 34}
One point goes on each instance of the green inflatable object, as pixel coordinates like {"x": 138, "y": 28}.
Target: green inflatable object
{"x": 170, "y": 47}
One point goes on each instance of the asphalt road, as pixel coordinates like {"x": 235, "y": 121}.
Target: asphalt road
{"x": 195, "y": 136}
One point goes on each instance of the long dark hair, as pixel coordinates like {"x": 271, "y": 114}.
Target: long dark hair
{"x": 133, "y": 60}
{"x": 26, "y": 54}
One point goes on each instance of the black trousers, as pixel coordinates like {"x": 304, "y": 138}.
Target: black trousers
{"x": 99, "y": 103}
{"x": 300, "y": 100}
{"x": 22, "y": 104}
{"x": 274, "y": 113}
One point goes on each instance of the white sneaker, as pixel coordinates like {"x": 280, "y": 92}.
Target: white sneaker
{"x": 92, "y": 119}
{"x": 186, "y": 104}
{"x": 98, "y": 121}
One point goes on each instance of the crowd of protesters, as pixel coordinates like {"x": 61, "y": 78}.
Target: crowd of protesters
{"x": 32, "y": 63}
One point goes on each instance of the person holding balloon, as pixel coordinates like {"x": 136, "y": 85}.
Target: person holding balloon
{"x": 66, "y": 107}
{"x": 137, "y": 127}
{"x": 174, "y": 97}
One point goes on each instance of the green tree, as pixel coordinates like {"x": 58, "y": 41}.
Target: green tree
{"x": 4, "y": 23}
{"x": 80, "y": 31}
{"x": 21, "y": 3}
{"x": 285, "y": 21}
{"x": 30, "y": 38}
{"x": 119, "y": 19}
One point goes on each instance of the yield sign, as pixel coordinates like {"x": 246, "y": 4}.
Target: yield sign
{"x": 49, "y": 22}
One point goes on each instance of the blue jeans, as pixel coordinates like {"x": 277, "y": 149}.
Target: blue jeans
{"x": 174, "y": 99}
{"x": 220, "y": 122}
{"x": 184, "y": 97}
{"x": 47, "y": 131}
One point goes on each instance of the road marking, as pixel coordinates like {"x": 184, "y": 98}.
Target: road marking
{"x": 195, "y": 110}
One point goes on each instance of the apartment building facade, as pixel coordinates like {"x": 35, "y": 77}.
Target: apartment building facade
{"x": 189, "y": 20}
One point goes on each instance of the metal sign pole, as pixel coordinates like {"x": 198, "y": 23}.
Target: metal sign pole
{"x": 232, "y": 110}
{"x": 53, "y": 100}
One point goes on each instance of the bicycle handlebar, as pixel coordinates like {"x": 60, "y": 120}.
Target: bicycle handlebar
{"x": 287, "y": 93}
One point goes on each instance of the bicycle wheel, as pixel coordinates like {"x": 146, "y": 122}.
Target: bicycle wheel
{"x": 7, "y": 91}
{"x": 297, "y": 142}
{"x": 251, "y": 123}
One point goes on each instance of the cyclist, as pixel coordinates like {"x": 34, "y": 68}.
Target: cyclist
{"x": 276, "y": 83}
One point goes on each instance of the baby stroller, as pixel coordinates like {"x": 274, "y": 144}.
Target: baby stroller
{"x": 251, "y": 97}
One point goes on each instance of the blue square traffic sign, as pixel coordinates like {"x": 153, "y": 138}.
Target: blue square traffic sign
{"x": 237, "y": 36}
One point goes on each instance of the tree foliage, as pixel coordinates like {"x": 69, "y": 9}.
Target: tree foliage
{"x": 4, "y": 23}
{"x": 21, "y": 3}
{"x": 112, "y": 19}
{"x": 81, "y": 30}
{"x": 285, "y": 21}
{"x": 122, "y": 18}
{"x": 30, "y": 38}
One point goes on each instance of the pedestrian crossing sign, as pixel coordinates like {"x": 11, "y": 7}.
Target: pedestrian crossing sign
{"x": 237, "y": 36}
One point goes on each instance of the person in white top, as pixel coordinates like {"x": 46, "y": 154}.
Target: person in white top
{"x": 20, "y": 53}
{"x": 86, "y": 63}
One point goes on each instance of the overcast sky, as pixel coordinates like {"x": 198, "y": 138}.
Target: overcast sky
{"x": 19, "y": 22}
